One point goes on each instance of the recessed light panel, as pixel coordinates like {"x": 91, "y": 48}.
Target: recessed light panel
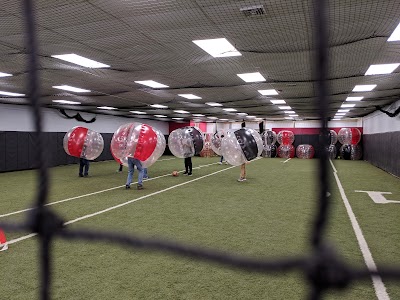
{"x": 71, "y": 89}
{"x": 160, "y": 116}
{"x": 181, "y": 111}
{"x": 158, "y": 106}
{"x": 106, "y": 107}
{"x": 343, "y": 110}
{"x": 189, "y": 96}
{"x": 80, "y": 60}
{"x": 177, "y": 118}
{"x": 395, "y": 36}
{"x": 66, "y": 102}
{"x": 268, "y": 92}
{"x": 138, "y": 112}
{"x": 229, "y": 109}
{"x": 252, "y": 77}
{"x": 214, "y": 104}
{"x": 354, "y": 98}
{"x": 11, "y": 94}
{"x": 217, "y": 47}
{"x": 5, "y": 74}
{"x": 242, "y": 114}
{"x": 274, "y": 101}
{"x": 284, "y": 107}
{"x": 198, "y": 115}
{"x": 347, "y": 105}
{"x": 381, "y": 69}
{"x": 152, "y": 83}
{"x": 364, "y": 88}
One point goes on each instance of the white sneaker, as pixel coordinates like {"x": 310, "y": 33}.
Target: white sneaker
{"x": 241, "y": 179}
{"x": 220, "y": 163}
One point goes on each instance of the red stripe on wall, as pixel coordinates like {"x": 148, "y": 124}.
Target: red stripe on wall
{"x": 310, "y": 131}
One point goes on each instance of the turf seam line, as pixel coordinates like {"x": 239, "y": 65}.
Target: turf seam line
{"x": 379, "y": 286}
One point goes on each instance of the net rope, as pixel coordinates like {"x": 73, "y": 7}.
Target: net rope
{"x": 323, "y": 267}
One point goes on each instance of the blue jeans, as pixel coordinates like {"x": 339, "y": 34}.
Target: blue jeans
{"x": 83, "y": 164}
{"x": 132, "y": 162}
{"x": 222, "y": 158}
{"x": 145, "y": 173}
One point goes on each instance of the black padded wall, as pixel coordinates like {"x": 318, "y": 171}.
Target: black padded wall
{"x": 383, "y": 151}
{"x": 17, "y": 150}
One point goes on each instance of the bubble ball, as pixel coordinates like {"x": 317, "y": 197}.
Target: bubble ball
{"x": 333, "y": 137}
{"x": 305, "y": 151}
{"x": 269, "y": 137}
{"x": 286, "y": 151}
{"x": 139, "y": 141}
{"x": 83, "y": 143}
{"x": 332, "y": 152}
{"x": 241, "y": 145}
{"x": 285, "y": 137}
{"x": 269, "y": 151}
{"x": 349, "y": 136}
{"x": 216, "y": 142}
{"x": 350, "y": 152}
{"x": 186, "y": 141}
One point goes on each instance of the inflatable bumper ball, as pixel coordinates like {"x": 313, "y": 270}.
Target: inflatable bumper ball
{"x": 351, "y": 152}
{"x": 332, "y": 152}
{"x": 83, "y": 143}
{"x": 139, "y": 141}
{"x": 350, "y": 137}
{"x": 186, "y": 141}
{"x": 241, "y": 146}
{"x": 3, "y": 241}
{"x": 333, "y": 137}
{"x": 269, "y": 140}
{"x": 269, "y": 151}
{"x": 216, "y": 142}
{"x": 305, "y": 151}
{"x": 285, "y": 139}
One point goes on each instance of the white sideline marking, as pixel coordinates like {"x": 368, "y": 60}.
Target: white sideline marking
{"x": 286, "y": 160}
{"x": 122, "y": 204}
{"x": 91, "y": 194}
{"x": 380, "y": 289}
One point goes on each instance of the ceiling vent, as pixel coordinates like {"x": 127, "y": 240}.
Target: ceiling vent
{"x": 251, "y": 11}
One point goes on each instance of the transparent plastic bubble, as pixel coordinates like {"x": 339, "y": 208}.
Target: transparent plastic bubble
{"x": 332, "y": 152}
{"x": 351, "y": 152}
{"x": 186, "y": 141}
{"x": 333, "y": 137}
{"x": 216, "y": 142}
{"x": 349, "y": 136}
{"x": 305, "y": 151}
{"x": 83, "y": 143}
{"x": 269, "y": 151}
{"x": 285, "y": 137}
{"x": 286, "y": 151}
{"x": 139, "y": 141}
{"x": 241, "y": 145}
{"x": 269, "y": 137}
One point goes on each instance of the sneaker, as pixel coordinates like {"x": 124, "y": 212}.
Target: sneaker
{"x": 127, "y": 186}
{"x": 189, "y": 174}
{"x": 220, "y": 162}
{"x": 80, "y": 175}
{"x": 184, "y": 173}
{"x": 226, "y": 162}
{"x": 241, "y": 179}
{"x": 140, "y": 187}
{"x": 147, "y": 177}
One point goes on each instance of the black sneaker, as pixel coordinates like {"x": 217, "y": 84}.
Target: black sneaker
{"x": 189, "y": 174}
{"x": 80, "y": 175}
{"x": 127, "y": 186}
{"x": 140, "y": 187}
{"x": 184, "y": 173}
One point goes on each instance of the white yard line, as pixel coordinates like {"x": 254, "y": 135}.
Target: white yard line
{"x": 94, "y": 193}
{"x": 380, "y": 289}
{"x": 286, "y": 160}
{"x": 125, "y": 203}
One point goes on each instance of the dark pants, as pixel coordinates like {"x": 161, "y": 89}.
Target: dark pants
{"x": 83, "y": 163}
{"x": 188, "y": 164}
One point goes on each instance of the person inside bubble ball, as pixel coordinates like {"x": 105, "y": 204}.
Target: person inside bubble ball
{"x": 242, "y": 172}
{"x": 222, "y": 157}
{"x": 83, "y": 167}
{"x": 188, "y": 153}
{"x": 132, "y": 162}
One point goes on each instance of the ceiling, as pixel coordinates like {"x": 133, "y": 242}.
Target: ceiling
{"x": 152, "y": 40}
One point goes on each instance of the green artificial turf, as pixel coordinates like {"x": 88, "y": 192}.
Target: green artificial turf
{"x": 267, "y": 217}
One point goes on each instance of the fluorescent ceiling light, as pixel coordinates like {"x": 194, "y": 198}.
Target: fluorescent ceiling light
{"x": 289, "y": 112}
{"x": 5, "y": 74}
{"x": 217, "y": 47}
{"x": 212, "y": 118}
{"x": 354, "y": 98}
{"x": 80, "y": 60}
{"x": 229, "y": 109}
{"x": 251, "y": 117}
{"x": 364, "y": 88}
{"x": 198, "y": 115}
{"x": 395, "y": 36}
{"x": 284, "y": 107}
{"x": 189, "y": 96}
{"x": 224, "y": 119}
{"x": 158, "y": 106}
{"x": 181, "y": 111}
{"x": 66, "y": 102}
{"x": 214, "y": 104}
{"x": 106, "y": 107}
{"x": 340, "y": 114}
{"x": 381, "y": 69}
{"x": 347, "y": 105}
{"x": 11, "y": 94}
{"x": 343, "y": 110}
{"x": 294, "y": 115}
{"x": 242, "y": 114}
{"x": 160, "y": 116}
{"x": 336, "y": 118}
{"x": 152, "y": 83}
{"x": 138, "y": 112}
{"x": 251, "y": 77}
{"x": 177, "y": 118}
{"x": 268, "y": 92}
{"x": 70, "y": 89}
{"x": 278, "y": 101}
{"x": 288, "y": 118}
